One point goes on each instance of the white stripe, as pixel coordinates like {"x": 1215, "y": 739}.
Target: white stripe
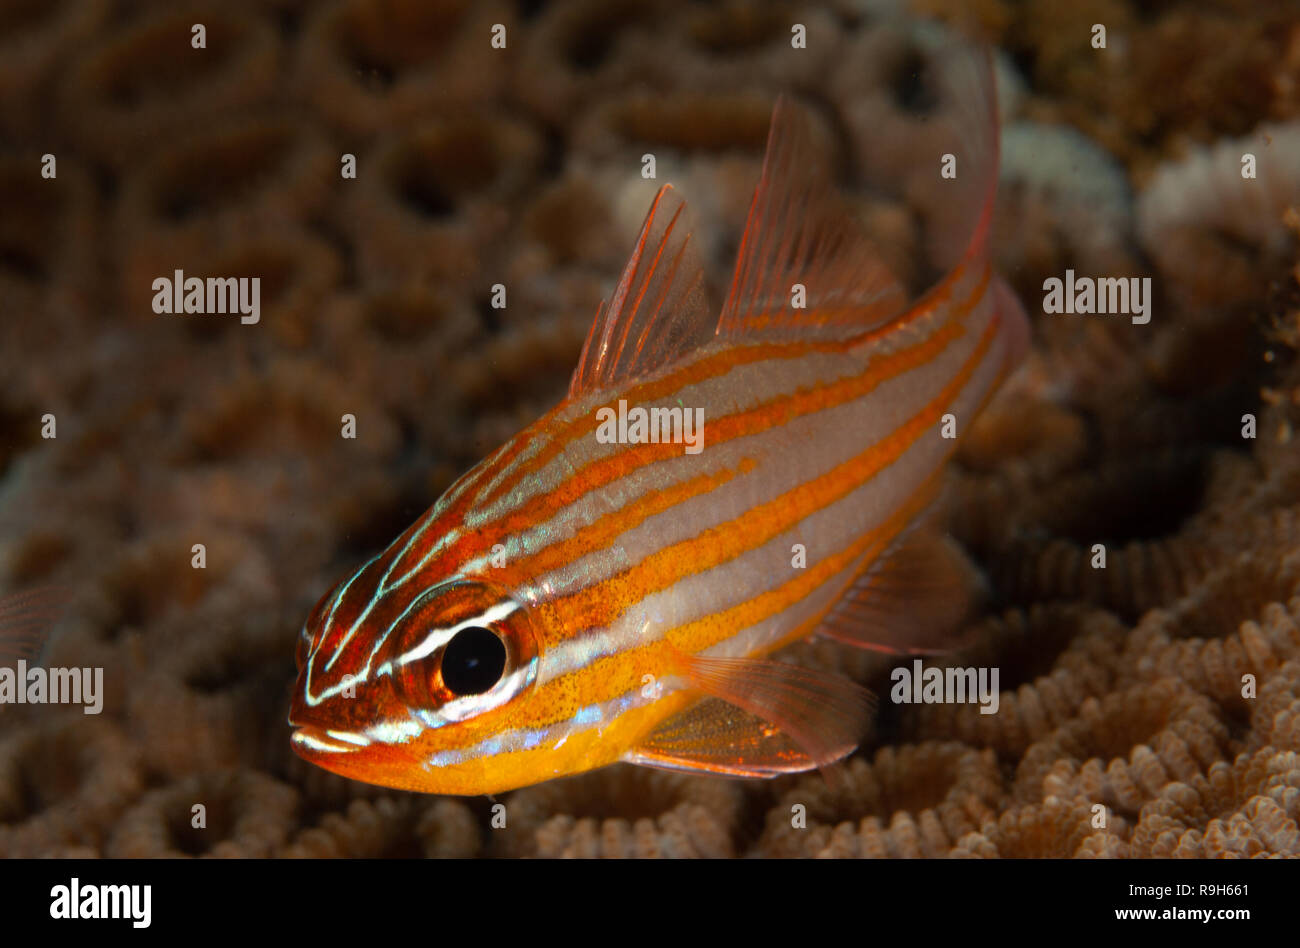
{"x": 440, "y": 637}
{"x": 349, "y": 737}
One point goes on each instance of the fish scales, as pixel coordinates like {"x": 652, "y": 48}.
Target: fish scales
{"x": 576, "y": 600}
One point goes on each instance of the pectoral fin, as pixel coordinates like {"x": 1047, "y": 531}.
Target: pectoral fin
{"x": 911, "y": 601}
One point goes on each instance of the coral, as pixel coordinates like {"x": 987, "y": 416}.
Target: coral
{"x": 1050, "y": 660}
{"x": 429, "y": 203}
{"x": 37, "y": 37}
{"x": 64, "y": 782}
{"x": 897, "y": 102}
{"x": 916, "y": 800}
{"x": 1164, "y": 688}
{"x": 485, "y": 380}
{"x": 1234, "y": 70}
{"x": 1051, "y": 175}
{"x": 366, "y": 65}
{"x": 1216, "y": 666}
{"x": 243, "y": 814}
{"x": 1246, "y": 808}
{"x": 1121, "y": 750}
{"x": 242, "y": 174}
{"x": 1037, "y": 438}
{"x": 1204, "y": 207}
{"x": 1135, "y": 577}
{"x": 1053, "y": 829}
{"x": 447, "y": 830}
{"x": 391, "y": 826}
{"x": 196, "y": 709}
{"x": 621, "y": 812}
{"x": 296, "y": 399}
{"x": 47, "y": 245}
{"x": 137, "y": 86}
{"x": 687, "y": 121}
{"x": 1276, "y": 715}
{"x": 577, "y": 48}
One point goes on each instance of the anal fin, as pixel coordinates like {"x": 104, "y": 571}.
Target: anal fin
{"x": 715, "y": 737}
{"x": 760, "y": 718}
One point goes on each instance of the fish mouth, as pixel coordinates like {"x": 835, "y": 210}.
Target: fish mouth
{"x": 316, "y": 743}
{"x": 312, "y": 743}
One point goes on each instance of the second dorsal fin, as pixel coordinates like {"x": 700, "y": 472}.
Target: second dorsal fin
{"x": 799, "y": 231}
{"x": 659, "y": 311}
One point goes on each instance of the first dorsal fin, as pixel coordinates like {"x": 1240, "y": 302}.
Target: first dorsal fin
{"x": 659, "y": 311}
{"x": 800, "y": 232}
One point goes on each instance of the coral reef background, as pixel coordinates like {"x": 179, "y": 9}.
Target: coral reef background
{"x": 1121, "y": 686}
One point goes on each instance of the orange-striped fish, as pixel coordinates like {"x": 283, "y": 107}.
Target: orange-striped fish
{"x": 591, "y": 593}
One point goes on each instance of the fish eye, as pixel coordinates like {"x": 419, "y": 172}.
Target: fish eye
{"x": 473, "y": 661}
{"x": 462, "y": 649}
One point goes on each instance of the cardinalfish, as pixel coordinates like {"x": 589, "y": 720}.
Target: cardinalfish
{"x": 576, "y": 600}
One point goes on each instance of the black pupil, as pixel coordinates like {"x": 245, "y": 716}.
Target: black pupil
{"x": 473, "y": 661}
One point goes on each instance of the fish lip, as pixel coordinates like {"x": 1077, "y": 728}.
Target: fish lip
{"x": 313, "y": 743}
{"x": 299, "y": 710}
{"x": 300, "y": 739}
{"x": 305, "y": 732}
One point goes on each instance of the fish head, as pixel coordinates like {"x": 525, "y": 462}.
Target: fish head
{"x": 395, "y": 679}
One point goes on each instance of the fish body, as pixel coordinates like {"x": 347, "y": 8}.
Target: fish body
{"x": 578, "y": 599}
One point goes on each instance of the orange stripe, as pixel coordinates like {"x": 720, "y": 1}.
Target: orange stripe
{"x": 609, "y": 676}
{"x": 612, "y": 675}
{"x": 602, "y": 532}
{"x": 722, "y": 362}
{"x": 752, "y": 421}
{"x": 598, "y": 606}
{"x": 764, "y": 417}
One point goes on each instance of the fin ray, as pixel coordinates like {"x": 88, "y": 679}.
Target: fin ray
{"x": 799, "y": 232}
{"x": 826, "y": 715}
{"x": 659, "y": 310}
{"x": 913, "y": 600}
{"x": 713, "y": 736}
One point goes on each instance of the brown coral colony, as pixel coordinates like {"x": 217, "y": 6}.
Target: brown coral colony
{"x": 1130, "y": 501}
